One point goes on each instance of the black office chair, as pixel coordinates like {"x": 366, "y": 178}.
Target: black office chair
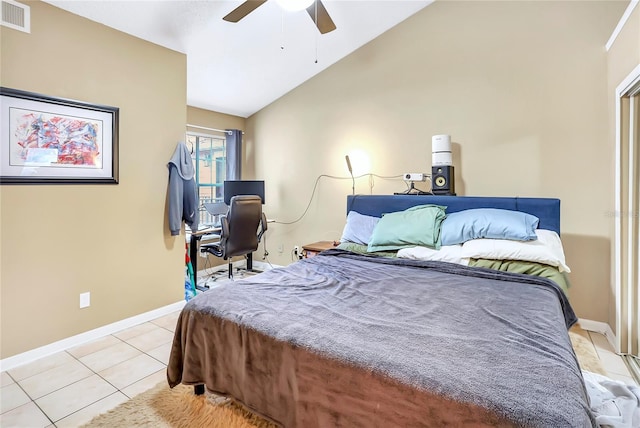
{"x": 239, "y": 235}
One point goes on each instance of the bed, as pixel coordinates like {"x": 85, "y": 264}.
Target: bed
{"x": 345, "y": 339}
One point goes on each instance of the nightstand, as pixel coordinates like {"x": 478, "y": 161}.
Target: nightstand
{"x": 311, "y": 250}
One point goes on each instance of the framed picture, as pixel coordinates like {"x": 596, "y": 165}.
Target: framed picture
{"x": 47, "y": 140}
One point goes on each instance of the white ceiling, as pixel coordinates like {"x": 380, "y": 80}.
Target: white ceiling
{"x": 239, "y": 68}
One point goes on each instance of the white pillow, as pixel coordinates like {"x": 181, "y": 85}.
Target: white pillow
{"x": 446, "y": 253}
{"x": 547, "y": 249}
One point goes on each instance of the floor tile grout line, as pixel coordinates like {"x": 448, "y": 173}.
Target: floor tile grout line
{"x": 117, "y": 390}
{"x": 607, "y": 369}
{"x": 24, "y": 404}
{"x": 101, "y": 349}
{"x": 90, "y": 404}
{"x": 593, "y": 345}
{"x": 99, "y": 375}
{"x": 93, "y": 372}
{"x": 72, "y": 383}
{"x": 125, "y": 394}
{"x": 41, "y": 373}
{"x": 34, "y": 403}
{"x": 141, "y": 334}
{"x": 120, "y": 362}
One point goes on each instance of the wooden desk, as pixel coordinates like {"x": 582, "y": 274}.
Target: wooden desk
{"x": 311, "y": 250}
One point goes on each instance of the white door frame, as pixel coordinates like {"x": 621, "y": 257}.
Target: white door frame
{"x": 630, "y": 86}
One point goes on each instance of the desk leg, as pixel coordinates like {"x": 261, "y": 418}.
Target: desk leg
{"x": 193, "y": 255}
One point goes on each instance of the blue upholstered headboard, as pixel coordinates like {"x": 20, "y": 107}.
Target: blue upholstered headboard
{"x": 546, "y": 209}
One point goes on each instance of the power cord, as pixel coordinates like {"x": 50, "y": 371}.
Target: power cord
{"x": 264, "y": 247}
{"x": 315, "y": 186}
{"x": 265, "y": 254}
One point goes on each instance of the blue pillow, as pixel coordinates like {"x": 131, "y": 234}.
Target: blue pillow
{"x": 492, "y": 223}
{"x": 359, "y": 228}
{"x": 415, "y": 226}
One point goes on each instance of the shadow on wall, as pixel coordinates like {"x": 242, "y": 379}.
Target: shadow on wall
{"x": 456, "y": 154}
{"x": 590, "y": 263}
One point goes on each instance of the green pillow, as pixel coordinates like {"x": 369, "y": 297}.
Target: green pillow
{"x": 416, "y": 226}
{"x": 362, "y": 249}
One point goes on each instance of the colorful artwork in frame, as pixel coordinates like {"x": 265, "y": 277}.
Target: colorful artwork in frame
{"x": 47, "y": 140}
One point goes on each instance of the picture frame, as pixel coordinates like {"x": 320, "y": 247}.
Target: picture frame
{"x": 49, "y": 140}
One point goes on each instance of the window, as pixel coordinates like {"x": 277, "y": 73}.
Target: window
{"x": 209, "y": 158}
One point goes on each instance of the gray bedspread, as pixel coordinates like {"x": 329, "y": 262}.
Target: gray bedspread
{"x": 492, "y": 339}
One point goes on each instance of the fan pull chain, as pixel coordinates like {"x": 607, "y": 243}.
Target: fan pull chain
{"x": 282, "y": 32}
{"x": 315, "y": 3}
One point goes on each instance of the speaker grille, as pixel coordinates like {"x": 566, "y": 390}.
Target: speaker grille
{"x": 443, "y": 180}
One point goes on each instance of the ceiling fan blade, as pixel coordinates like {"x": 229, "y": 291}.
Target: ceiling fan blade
{"x": 243, "y": 10}
{"x": 325, "y": 23}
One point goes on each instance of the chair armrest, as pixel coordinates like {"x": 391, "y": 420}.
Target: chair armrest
{"x": 224, "y": 227}
{"x": 263, "y": 226}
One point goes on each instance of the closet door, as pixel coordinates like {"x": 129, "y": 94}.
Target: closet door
{"x": 627, "y": 219}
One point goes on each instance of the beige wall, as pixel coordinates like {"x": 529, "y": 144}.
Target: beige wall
{"x": 211, "y": 119}
{"x": 520, "y": 87}
{"x": 111, "y": 240}
{"x": 622, "y": 58}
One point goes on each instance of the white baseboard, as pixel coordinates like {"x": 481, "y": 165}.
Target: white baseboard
{"x": 602, "y": 328}
{"x": 82, "y": 338}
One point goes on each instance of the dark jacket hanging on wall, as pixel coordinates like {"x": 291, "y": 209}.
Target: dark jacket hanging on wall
{"x": 183, "y": 193}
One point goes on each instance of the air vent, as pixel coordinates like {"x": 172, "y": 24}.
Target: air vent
{"x": 16, "y": 15}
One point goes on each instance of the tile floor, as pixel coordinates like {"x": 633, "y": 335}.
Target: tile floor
{"x": 69, "y": 388}
{"x": 612, "y": 363}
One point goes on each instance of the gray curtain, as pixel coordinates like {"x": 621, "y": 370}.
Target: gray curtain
{"x": 234, "y": 154}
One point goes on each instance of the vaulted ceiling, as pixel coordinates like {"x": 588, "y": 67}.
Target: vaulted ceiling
{"x": 239, "y": 68}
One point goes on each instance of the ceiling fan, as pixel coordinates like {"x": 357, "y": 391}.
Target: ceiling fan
{"x": 315, "y": 8}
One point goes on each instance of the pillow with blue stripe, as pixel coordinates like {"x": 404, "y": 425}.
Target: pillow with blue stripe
{"x": 491, "y": 223}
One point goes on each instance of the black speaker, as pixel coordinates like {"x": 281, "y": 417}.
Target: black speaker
{"x": 443, "y": 180}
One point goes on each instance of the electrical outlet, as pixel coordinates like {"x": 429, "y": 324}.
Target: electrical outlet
{"x": 281, "y": 248}
{"x": 85, "y": 300}
{"x": 297, "y": 251}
